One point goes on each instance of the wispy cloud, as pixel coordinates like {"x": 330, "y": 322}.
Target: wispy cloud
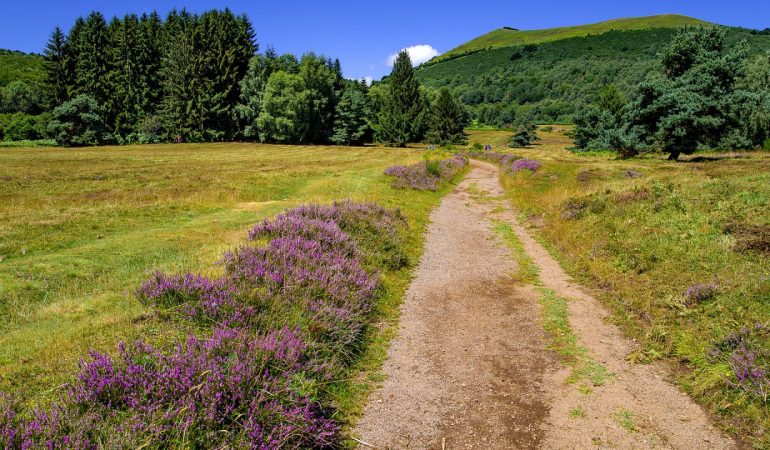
{"x": 418, "y": 54}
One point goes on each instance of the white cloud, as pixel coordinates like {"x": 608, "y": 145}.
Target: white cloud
{"x": 418, "y": 54}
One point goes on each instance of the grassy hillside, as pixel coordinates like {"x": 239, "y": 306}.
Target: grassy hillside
{"x": 20, "y": 66}
{"x": 507, "y": 37}
{"x": 550, "y": 81}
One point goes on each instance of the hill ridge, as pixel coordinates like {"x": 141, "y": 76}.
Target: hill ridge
{"x": 511, "y": 36}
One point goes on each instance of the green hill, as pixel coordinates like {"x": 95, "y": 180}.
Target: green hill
{"x": 21, "y": 66}
{"x": 509, "y": 37}
{"x": 548, "y": 75}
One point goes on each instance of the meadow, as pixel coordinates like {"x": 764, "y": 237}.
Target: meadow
{"x": 80, "y": 230}
{"x": 678, "y": 251}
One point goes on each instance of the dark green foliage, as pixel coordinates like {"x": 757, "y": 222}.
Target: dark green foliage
{"x": 261, "y": 67}
{"x": 18, "y": 96}
{"x": 402, "y": 117}
{"x": 559, "y": 78}
{"x": 194, "y": 78}
{"x": 448, "y": 120}
{"x": 320, "y": 79}
{"x": 78, "y": 122}
{"x": 19, "y": 66}
{"x": 697, "y": 102}
{"x": 524, "y": 135}
{"x": 284, "y": 112}
{"x": 92, "y": 51}
{"x": 205, "y": 58}
{"x": 20, "y": 126}
{"x": 55, "y": 68}
{"x": 602, "y": 126}
{"x": 351, "y": 126}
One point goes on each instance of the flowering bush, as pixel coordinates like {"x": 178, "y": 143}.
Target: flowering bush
{"x": 287, "y": 313}
{"x": 748, "y": 358}
{"x": 510, "y": 163}
{"x": 700, "y": 292}
{"x": 426, "y": 175}
{"x": 526, "y": 164}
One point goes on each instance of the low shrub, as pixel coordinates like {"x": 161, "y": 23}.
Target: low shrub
{"x": 285, "y": 317}
{"x": 426, "y": 175}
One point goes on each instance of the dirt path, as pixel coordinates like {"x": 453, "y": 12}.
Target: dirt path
{"x": 469, "y": 368}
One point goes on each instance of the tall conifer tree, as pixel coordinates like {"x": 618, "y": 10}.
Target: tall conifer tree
{"x": 402, "y": 118}
{"x": 56, "y": 68}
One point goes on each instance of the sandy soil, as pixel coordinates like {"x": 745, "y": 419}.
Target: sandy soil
{"x": 470, "y": 369}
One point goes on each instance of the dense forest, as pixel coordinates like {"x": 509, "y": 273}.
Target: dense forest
{"x": 549, "y": 82}
{"x": 200, "y": 78}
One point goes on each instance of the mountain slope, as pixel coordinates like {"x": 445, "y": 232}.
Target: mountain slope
{"x": 551, "y": 80}
{"x": 20, "y": 66}
{"x": 508, "y": 37}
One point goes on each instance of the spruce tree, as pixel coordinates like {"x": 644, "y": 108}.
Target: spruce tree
{"x": 55, "y": 68}
{"x": 448, "y": 120}
{"x": 402, "y": 118}
{"x": 92, "y": 59}
{"x": 351, "y": 126}
{"x": 71, "y": 56}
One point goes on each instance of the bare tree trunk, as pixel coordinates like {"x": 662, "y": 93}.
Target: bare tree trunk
{"x": 673, "y": 156}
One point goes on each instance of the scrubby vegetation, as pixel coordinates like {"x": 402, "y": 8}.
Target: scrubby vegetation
{"x": 703, "y": 99}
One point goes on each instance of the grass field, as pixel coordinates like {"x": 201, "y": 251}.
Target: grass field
{"x": 80, "y": 229}
{"x": 679, "y": 251}
{"x": 504, "y": 37}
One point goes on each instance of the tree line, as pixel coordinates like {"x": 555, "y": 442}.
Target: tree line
{"x": 200, "y": 78}
{"x": 707, "y": 94}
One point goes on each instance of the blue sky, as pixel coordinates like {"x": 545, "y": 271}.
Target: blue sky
{"x": 363, "y": 34}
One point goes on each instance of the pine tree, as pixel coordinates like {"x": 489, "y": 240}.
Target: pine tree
{"x": 698, "y": 101}
{"x": 447, "y": 120}
{"x": 92, "y": 59}
{"x": 56, "y": 68}
{"x": 402, "y": 118}
{"x": 71, "y": 56}
{"x": 180, "y": 105}
{"x": 351, "y": 126}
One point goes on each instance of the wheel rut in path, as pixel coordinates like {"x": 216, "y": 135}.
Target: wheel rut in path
{"x": 470, "y": 369}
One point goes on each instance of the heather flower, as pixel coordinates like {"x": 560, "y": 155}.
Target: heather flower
{"x": 526, "y": 164}
{"x": 421, "y": 177}
{"x": 700, "y": 292}
{"x": 248, "y": 381}
{"x": 750, "y": 375}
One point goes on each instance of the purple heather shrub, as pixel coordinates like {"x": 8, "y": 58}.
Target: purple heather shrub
{"x": 284, "y": 316}
{"x": 300, "y": 268}
{"x": 325, "y": 232}
{"x": 751, "y": 376}
{"x": 418, "y": 176}
{"x": 526, "y": 164}
{"x": 231, "y": 381}
{"x": 700, "y": 292}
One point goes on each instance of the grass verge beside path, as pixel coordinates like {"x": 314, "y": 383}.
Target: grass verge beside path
{"x": 679, "y": 252}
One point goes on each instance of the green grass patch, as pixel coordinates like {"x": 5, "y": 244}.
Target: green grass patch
{"x": 527, "y": 271}
{"x": 565, "y": 343}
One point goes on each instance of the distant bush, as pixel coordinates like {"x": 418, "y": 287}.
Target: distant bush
{"x": 21, "y": 126}
{"x": 78, "y": 123}
{"x": 425, "y": 175}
